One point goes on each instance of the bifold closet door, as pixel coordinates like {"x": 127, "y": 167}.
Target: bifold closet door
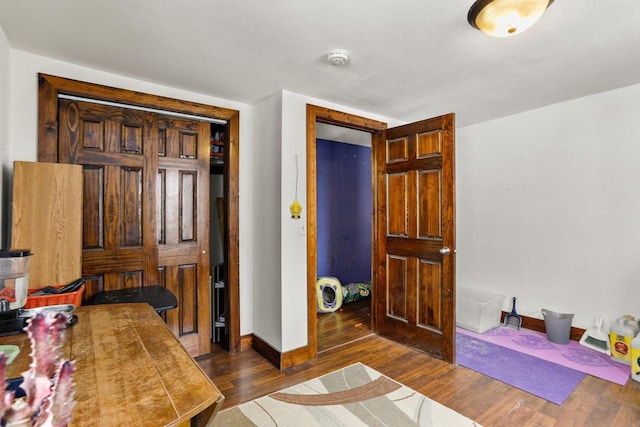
{"x": 144, "y": 192}
{"x": 183, "y": 228}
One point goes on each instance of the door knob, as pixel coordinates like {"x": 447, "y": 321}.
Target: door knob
{"x": 445, "y": 250}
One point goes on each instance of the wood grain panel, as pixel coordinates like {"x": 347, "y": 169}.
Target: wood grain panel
{"x": 429, "y": 204}
{"x": 93, "y": 137}
{"x": 428, "y": 163}
{"x": 188, "y": 145}
{"x": 162, "y": 142}
{"x": 170, "y": 276}
{"x": 429, "y": 295}
{"x": 188, "y": 293}
{"x": 111, "y": 260}
{"x": 397, "y": 150}
{"x": 397, "y": 205}
{"x": 161, "y": 208}
{"x": 47, "y": 218}
{"x": 92, "y": 214}
{"x": 131, "y": 205}
{"x": 420, "y": 248}
{"x": 112, "y": 209}
{"x": 397, "y": 291}
{"x": 188, "y": 215}
{"x": 131, "y": 140}
{"x": 428, "y": 144}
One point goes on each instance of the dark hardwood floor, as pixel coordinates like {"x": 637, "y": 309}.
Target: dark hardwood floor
{"x": 351, "y": 322}
{"x": 595, "y": 402}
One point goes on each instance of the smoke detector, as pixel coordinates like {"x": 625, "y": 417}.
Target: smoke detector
{"x": 338, "y": 57}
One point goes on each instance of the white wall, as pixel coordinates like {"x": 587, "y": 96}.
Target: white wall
{"x": 266, "y": 233}
{"x": 22, "y": 137}
{"x": 5, "y": 55}
{"x": 548, "y": 207}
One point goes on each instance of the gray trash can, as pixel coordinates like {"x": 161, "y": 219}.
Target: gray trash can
{"x": 558, "y": 326}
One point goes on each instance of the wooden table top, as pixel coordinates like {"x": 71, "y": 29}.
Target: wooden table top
{"x": 130, "y": 370}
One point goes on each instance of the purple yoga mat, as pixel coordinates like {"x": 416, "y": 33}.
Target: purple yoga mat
{"x": 544, "y": 379}
{"x": 572, "y": 355}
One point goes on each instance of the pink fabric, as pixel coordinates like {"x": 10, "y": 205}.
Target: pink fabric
{"x": 572, "y": 355}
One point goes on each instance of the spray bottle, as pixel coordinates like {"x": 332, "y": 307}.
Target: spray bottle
{"x": 635, "y": 358}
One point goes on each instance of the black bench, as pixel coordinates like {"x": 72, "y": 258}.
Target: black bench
{"x": 158, "y": 297}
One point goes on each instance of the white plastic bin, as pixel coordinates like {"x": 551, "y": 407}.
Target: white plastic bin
{"x": 477, "y": 310}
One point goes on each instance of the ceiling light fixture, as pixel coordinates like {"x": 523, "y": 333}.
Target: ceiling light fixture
{"x": 505, "y": 18}
{"x": 339, "y": 57}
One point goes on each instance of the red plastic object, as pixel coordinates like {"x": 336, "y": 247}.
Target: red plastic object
{"x": 74, "y": 298}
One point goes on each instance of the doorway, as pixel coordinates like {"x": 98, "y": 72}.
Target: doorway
{"x": 344, "y": 228}
{"x": 413, "y": 237}
{"x": 318, "y": 117}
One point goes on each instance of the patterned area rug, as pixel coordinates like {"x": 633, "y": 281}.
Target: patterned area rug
{"x": 354, "y": 396}
{"x": 572, "y": 355}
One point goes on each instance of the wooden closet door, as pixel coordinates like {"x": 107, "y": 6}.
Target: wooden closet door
{"x": 116, "y": 149}
{"x": 145, "y": 206}
{"x": 183, "y": 229}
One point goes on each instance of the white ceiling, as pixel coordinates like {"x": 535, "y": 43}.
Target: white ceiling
{"x": 410, "y": 59}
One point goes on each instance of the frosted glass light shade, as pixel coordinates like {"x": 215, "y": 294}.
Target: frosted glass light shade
{"x": 505, "y": 18}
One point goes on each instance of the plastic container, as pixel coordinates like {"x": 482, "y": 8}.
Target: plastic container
{"x": 635, "y": 358}
{"x": 621, "y": 333}
{"x": 477, "y": 310}
{"x": 14, "y": 276}
{"x": 74, "y": 298}
{"x": 558, "y": 326}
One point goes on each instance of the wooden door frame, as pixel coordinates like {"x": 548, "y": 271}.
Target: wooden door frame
{"x": 49, "y": 89}
{"x": 317, "y": 114}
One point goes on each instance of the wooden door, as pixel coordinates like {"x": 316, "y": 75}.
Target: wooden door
{"x": 114, "y": 147}
{"x": 182, "y": 208}
{"x": 143, "y": 199}
{"x": 414, "y": 235}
